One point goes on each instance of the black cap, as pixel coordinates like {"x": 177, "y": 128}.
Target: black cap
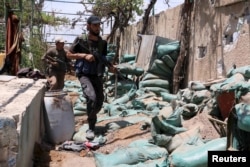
{"x": 94, "y": 20}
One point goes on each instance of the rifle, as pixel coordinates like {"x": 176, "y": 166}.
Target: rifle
{"x": 101, "y": 61}
{"x": 54, "y": 59}
{"x": 69, "y": 66}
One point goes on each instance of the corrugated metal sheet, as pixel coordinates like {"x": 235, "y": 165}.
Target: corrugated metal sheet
{"x": 148, "y": 50}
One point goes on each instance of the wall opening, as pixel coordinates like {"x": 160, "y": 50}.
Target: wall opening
{"x": 212, "y": 2}
{"x": 202, "y": 51}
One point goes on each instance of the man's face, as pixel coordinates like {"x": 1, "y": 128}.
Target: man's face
{"x": 59, "y": 45}
{"x": 94, "y": 29}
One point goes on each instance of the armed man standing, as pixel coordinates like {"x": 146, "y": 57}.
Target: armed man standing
{"x": 57, "y": 64}
{"x": 90, "y": 52}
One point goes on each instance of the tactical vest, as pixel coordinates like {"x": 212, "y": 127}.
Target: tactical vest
{"x": 83, "y": 67}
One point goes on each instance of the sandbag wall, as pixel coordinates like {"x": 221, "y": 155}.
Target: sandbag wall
{"x": 117, "y": 85}
{"x": 159, "y": 75}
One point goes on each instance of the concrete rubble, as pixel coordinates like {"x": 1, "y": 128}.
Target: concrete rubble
{"x": 20, "y": 113}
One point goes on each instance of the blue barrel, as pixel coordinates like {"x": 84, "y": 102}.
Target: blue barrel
{"x": 59, "y": 117}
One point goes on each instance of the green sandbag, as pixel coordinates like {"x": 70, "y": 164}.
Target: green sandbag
{"x": 230, "y": 84}
{"x": 80, "y": 135}
{"x": 72, "y": 84}
{"x": 131, "y": 62}
{"x": 174, "y": 119}
{"x": 79, "y": 112}
{"x": 168, "y": 96}
{"x": 138, "y": 104}
{"x": 189, "y": 110}
{"x": 79, "y": 106}
{"x": 154, "y": 83}
{"x": 186, "y": 95}
{"x": 174, "y": 55}
{"x": 121, "y": 92}
{"x": 130, "y": 155}
{"x": 168, "y": 61}
{"x": 200, "y": 96}
{"x": 149, "y": 76}
{"x": 111, "y": 54}
{"x": 159, "y": 68}
{"x": 130, "y": 70}
{"x": 127, "y": 85}
{"x": 245, "y": 71}
{"x": 111, "y": 48}
{"x": 194, "y": 141}
{"x": 162, "y": 126}
{"x": 151, "y": 163}
{"x": 127, "y": 58}
{"x": 109, "y": 58}
{"x": 121, "y": 85}
{"x": 179, "y": 139}
{"x": 168, "y": 48}
{"x": 68, "y": 89}
{"x": 156, "y": 90}
{"x": 196, "y": 85}
{"x": 197, "y": 157}
{"x": 243, "y": 115}
{"x": 113, "y": 109}
{"x": 151, "y": 106}
{"x": 82, "y": 99}
{"x": 125, "y": 98}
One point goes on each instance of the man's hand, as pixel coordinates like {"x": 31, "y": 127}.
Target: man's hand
{"x": 89, "y": 57}
{"x": 112, "y": 69}
{"x": 53, "y": 63}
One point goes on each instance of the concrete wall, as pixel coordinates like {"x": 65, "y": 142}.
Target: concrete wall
{"x": 211, "y": 55}
{"x": 164, "y": 24}
{"x": 21, "y": 124}
{"x": 209, "y": 26}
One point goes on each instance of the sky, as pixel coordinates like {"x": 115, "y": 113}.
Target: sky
{"x": 69, "y": 34}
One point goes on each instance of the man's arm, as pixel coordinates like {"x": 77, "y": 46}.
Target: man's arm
{"x": 72, "y": 54}
{"x": 84, "y": 56}
{"x": 48, "y": 60}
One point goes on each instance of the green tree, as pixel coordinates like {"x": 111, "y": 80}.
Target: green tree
{"x": 122, "y": 13}
{"x": 35, "y": 45}
{"x": 32, "y": 18}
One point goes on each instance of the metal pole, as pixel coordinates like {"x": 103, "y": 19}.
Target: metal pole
{"x": 116, "y": 83}
{"x": 32, "y": 17}
{"x": 111, "y": 22}
{"x": 5, "y": 12}
{"x": 69, "y": 2}
{"x": 5, "y": 19}
{"x": 21, "y": 11}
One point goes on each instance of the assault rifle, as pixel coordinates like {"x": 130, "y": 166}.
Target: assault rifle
{"x": 107, "y": 64}
{"x": 69, "y": 66}
{"x": 54, "y": 59}
{"x": 100, "y": 60}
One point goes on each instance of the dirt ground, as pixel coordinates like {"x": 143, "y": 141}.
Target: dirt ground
{"x": 47, "y": 156}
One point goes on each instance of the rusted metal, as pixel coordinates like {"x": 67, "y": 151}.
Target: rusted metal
{"x": 184, "y": 48}
{"x": 226, "y": 101}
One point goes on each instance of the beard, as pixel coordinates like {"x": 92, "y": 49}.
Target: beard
{"x": 95, "y": 33}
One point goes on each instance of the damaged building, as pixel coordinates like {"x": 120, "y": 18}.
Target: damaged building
{"x": 217, "y": 36}
{"x": 193, "y": 57}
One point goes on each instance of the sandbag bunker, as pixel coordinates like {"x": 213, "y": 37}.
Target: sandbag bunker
{"x": 224, "y": 106}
